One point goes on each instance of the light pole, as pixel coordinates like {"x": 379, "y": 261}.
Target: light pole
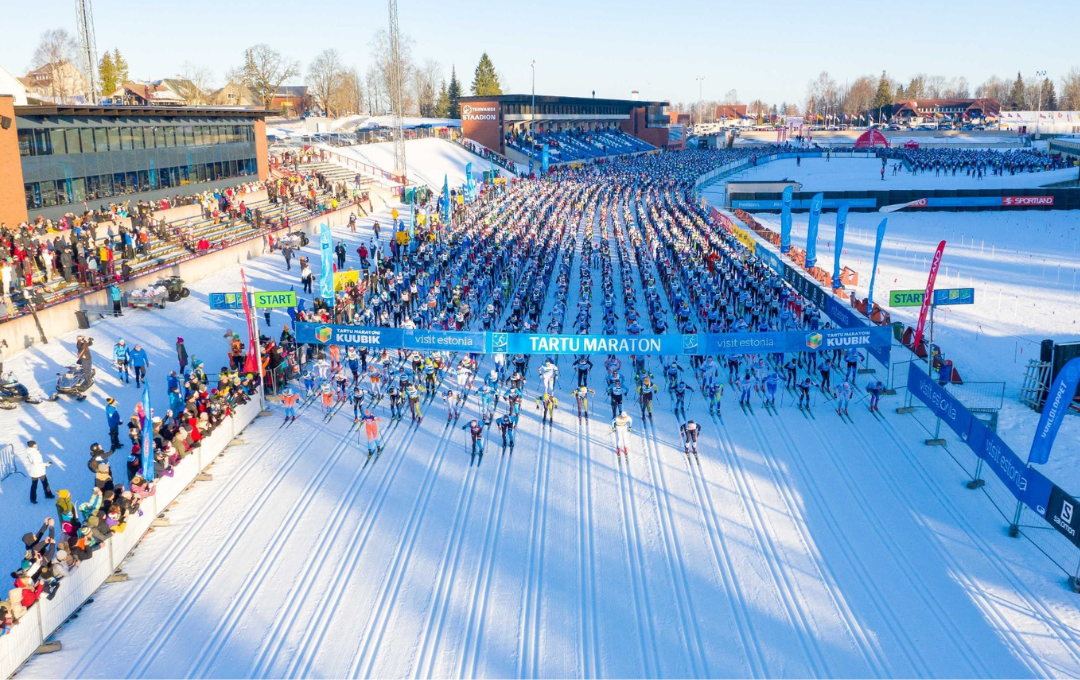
{"x": 1038, "y": 120}
{"x": 700, "y": 80}
{"x": 532, "y": 111}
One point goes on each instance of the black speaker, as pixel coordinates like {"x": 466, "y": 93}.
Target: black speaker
{"x": 5, "y": 122}
{"x": 1046, "y": 350}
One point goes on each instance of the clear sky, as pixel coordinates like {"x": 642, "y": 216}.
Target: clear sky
{"x": 762, "y": 50}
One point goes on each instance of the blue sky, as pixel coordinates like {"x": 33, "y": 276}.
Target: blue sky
{"x": 762, "y": 50}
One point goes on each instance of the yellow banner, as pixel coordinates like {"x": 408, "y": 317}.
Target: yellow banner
{"x": 745, "y": 238}
{"x": 343, "y": 279}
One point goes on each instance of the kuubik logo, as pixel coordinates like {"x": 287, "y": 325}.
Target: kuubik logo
{"x": 813, "y": 340}
{"x": 324, "y": 333}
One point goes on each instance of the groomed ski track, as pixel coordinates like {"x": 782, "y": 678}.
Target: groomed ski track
{"x": 791, "y": 547}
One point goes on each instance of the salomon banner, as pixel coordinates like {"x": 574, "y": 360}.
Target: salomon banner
{"x": 841, "y": 225}
{"x": 1063, "y": 513}
{"x": 1058, "y": 400}
{"x": 326, "y": 271}
{"x": 812, "y": 230}
{"x": 877, "y": 254}
{"x": 785, "y": 221}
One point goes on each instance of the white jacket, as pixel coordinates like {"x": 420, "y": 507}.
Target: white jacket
{"x": 35, "y": 464}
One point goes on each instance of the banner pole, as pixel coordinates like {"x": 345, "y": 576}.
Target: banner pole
{"x": 1014, "y": 528}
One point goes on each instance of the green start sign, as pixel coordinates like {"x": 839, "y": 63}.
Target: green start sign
{"x": 272, "y": 300}
{"x": 905, "y": 298}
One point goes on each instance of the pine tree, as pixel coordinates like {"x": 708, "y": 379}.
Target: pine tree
{"x": 485, "y": 80}
{"x": 1016, "y": 96}
{"x": 883, "y": 96}
{"x": 1049, "y": 96}
{"x": 121, "y": 67}
{"x": 107, "y": 75}
{"x": 453, "y": 94}
{"x": 899, "y": 93}
{"x": 442, "y": 103}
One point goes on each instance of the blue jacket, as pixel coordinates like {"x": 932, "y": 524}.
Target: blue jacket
{"x": 120, "y": 352}
{"x": 114, "y": 293}
{"x": 113, "y": 416}
{"x": 139, "y": 358}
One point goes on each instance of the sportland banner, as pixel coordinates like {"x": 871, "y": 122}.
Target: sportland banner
{"x": 841, "y": 225}
{"x": 530, "y": 343}
{"x": 785, "y": 221}
{"x": 812, "y": 230}
{"x": 877, "y": 254}
{"x": 326, "y": 270}
{"x": 928, "y": 294}
{"x": 1058, "y": 400}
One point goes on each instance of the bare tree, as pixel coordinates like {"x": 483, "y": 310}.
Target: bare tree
{"x": 1069, "y": 99}
{"x": 993, "y": 88}
{"x": 732, "y": 97}
{"x": 55, "y": 58}
{"x": 324, "y": 79}
{"x": 194, "y": 83}
{"x": 935, "y": 86}
{"x": 958, "y": 88}
{"x": 385, "y": 66}
{"x": 427, "y": 81}
{"x": 350, "y": 96}
{"x": 859, "y": 97}
{"x": 374, "y": 91}
{"x": 265, "y": 70}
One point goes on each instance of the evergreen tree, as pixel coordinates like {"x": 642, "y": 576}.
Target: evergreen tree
{"x": 1049, "y": 96}
{"x": 883, "y": 96}
{"x": 1016, "y": 95}
{"x": 485, "y": 80}
{"x": 442, "y": 103}
{"x": 453, "y": 94}
{"x": 107, "y": 75}
{"x": 121, "y": 66}
{"x": 899, "y": 93}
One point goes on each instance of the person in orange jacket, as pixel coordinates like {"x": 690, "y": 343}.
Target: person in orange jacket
{"x": 371, "y": 429}
{"x": 288, "y": 400}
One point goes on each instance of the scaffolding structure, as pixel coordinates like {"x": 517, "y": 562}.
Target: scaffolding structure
{"x": 84, "y": 17}
{"x": 397, "y": 93}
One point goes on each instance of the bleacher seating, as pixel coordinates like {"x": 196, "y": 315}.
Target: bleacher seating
{"x": 578, "y": 145}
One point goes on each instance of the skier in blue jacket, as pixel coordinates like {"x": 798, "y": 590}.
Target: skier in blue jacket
{"x": 121, "y": 356}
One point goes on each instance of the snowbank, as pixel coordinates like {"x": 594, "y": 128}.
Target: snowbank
{"x": 426, "y": 160}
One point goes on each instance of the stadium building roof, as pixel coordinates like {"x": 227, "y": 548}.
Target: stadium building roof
{"x": 548, "y": 99}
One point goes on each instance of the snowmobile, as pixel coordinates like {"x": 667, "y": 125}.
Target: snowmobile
{"x": 12, "y": 392}
{"x": 74, "y": 382}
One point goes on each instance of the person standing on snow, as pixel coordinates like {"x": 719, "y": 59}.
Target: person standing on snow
{"x": 583, "y": 365}
{"x": 122, "y": 358}
{"x": 851, "y": 360}
{"x": 288, "y": 400}
{"x": 371, "y": 429}
{"x": 581, "y": 395}
{"x": 622, "y": 425}
{"x": 843, "y": 396}
{"x": 875, "y": 389}
{"x": 37, "y": 469}
{"x": 690, "y": 431}
{"x": 507, "y": 424}
{"x": 112, "y": 417}
{"x": 139, "y": 362}
{"x": 476, "y": 430}
{"x": 548, "y": 403}
{"x": 548, "y": 373}
{"x": 181, "y": 355}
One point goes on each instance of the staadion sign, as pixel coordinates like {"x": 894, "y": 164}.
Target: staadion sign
{"x": 479, "y": 112}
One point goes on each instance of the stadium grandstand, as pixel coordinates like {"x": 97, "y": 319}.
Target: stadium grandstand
{"x": 571, "y": 129}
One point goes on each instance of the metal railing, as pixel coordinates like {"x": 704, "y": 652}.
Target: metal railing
{"x": 7, "y": 462}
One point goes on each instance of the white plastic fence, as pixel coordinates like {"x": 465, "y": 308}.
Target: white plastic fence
{"x": 46, "y": 616}
{"x": 7, "y": 463}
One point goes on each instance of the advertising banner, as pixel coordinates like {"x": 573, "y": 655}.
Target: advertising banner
{"x": 743, "y": 237}
{"x": 826, "y": 340}
{"x": 804, "y": 204}
{"x": 846, "y": 317}
{"x": 805, "y": 286}
{"x": 742, "y": 343}
{"x": 545, "y": 159}
{"x": 272, "y": 300}
{"x": 770, "y": 259}
{"x": 954, "y": 296}
{"x": 331, "y": 334}
{"x": 841, "y": 225}
{"x": 1058, "y": 400}
{"x": 785, "y": 220}
{"x": 877, "y": 254}
{"x": 812, "y": 231}
{"x": 526, "y": 343}
{"x": 326, "y": 271}
{"x": 447, "y": 341}
{"x": 227, "y": 301}
{"x": 905, "y": 298}
{"x": 1063, "y": 513}
{"x": 928, "y": 293}
{"x": 343, "y": 279}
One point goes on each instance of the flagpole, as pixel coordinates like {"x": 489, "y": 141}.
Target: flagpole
{"x": 258, "y": 357}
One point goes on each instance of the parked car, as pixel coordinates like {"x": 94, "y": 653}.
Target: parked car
{"x": 893, "y": 127}
{"x": 946, "y": 126}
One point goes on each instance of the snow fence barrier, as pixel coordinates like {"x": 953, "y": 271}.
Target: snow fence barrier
{"x": 46, "y": 616}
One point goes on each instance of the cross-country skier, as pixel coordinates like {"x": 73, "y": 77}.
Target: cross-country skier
{"x": 412, "y": 392}
{"x": 476, "y": 430}
{"x": 772, "y": 383}
{"x": 322, "y": 370}
{"x": 583, "y": 365}
{"x": 513, "y": 400}
{"x": 371, "y": 429}
{"x": 843, "y": 396}
{"x": 548, "y": 373}
{"x": 745, "y": 385}
{"x": 622, "y": 425}
{"x": 804, "y": 386}
{"x": 327, "y": 399}
{"x": 507, "y": 424}
{"x": 825, "y": 371}
{"x": 679, "y": 391}
{"x": 121, "y": 358}
{"x": 453, "y": 404}
{"x": 616, "y": 392}
{"x": 851, "y": 361}
{"x": 690, "y": 432}
{"x": 341, "y": 384}
{"x": 357, "y": 399}
{"x": 309, "y": 384}
{"x": 790, "y": 370}
{"x": 288, "y": 400}
{"x": 713, "y": 395}
{"x": 646, "y": 392}
{"x": 352, "y": 360}
{"x": 394, "y": 392}
{"x": 671, "y": 374}
{"x": 875, "y": 389}
{"x": 581, "y": 396}
{"x": 548, "y": 403}
{"x": 486, "y": 395}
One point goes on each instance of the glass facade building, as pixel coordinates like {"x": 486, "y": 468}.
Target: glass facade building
{"x": 102, "y": 155}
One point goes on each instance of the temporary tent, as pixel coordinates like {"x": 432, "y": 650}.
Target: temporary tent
{"x": 870, "y": 139}
{"x": 911, "y": 144}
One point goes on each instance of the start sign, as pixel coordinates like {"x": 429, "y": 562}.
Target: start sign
{"x": 274, "y": 300}
{"x": 905, "y": 298}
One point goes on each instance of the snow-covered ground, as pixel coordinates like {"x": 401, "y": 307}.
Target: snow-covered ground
{"x": 794, "y": 546}
{"x": 427, "y": 161}
{"x": 864, "y": 174}
{"x": 1025, "y": 268}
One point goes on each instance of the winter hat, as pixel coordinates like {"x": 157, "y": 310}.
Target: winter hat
{"x": 110, "y": 401}
{"x": 64, "y": 493}
{"x": 61, "y": 554}
{"x": 179, "y": 339}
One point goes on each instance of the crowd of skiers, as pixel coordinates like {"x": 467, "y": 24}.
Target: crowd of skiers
{"x": 976, "y": 162}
